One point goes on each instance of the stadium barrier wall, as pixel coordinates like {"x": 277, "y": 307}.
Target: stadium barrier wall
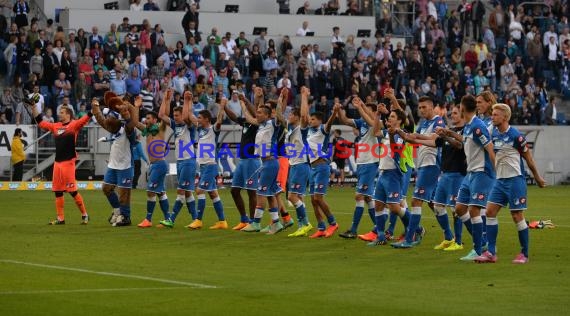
{"x": 245, "y": 6}
{"x": 549, "y": 144}
{"x": 277, "y": 25}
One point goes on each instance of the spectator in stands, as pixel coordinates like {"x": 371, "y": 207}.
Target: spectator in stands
{"x": 82, "y": 39}
{"x": 551, "y": 112}
{"x": 81, "y": 89}
{"x": 305, "y": 9}
{"x": 136, "y": 6}
{"x": 62, "y": 87}
{"x": 270, "y": 62}
{"x": 118, "y": 85}
{"x": 95, "y": 38}
{"x": 150, "y": 6}
{"x": 8, "y": 104}
{"x": 211, "y": 51}
{"x": 261, "y": 43}
{"x": 65, "y": 103}
{"x": 21, "y": 10}
{"x": 134, "y": 83}
{"x": 11, "y": 58}
{"x": 124, "y": 27}
{"x": 191, "y": 15}
{"x": 100, "y": 84}
{"x": 302, "y": 31}
{"x": 73, "y": 47}
{"x": 146, "y": 59}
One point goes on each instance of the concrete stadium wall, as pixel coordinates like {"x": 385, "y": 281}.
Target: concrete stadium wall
{"x": 551, "y": 149}
{"x": 245, "y": 6}
{"x": 171, "y": 21}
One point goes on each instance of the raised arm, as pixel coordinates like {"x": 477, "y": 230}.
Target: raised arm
{"x": 378, "y": 124}
{"x": 305, "y": 92}
{"x": 361, "y": 107}
{"x": 101, "y": 120}
{"x": 135, "y": 114}
{"x": 164, "y": 111}
{"x": 258, "y": 99}
{"x": 281, "y": 104}
{"x": 220, "y": 116}
{"x": 331, "y": 119}
{"x": 187, "y": 109}
{"x": 394, "y": 104}
{"x": 532, "y": 166}
{"x": 441, "y": 131}
{"x": 248, "y": 117}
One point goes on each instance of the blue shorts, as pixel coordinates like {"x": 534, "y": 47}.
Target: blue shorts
{"x": 298, "y": 178}
{"x": 406, "y": 181}
{"x": 208, "y": 174}
{"x": 511, "y": 191}
{"x": 448, "y": 188}
{"x": 268, "y": 178}
{"x": 121, "y": 178}
{"x": 186, "y": 173}
{"x": 475, "y": 189}
{"x": 156, "y": 174}
{"x": 246, "y": 174}
{"x": 389, "y": 187}
{"x": 319, "y": 179}
{"x": 426, "y": 182}
{"x": 366, "y": 174}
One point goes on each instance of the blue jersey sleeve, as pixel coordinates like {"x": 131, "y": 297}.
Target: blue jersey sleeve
{"x": 358, "y": 123}
{"x": 520, "y": 143}
{"x": 438, "y": 122}
{"x": 481, "y": 135}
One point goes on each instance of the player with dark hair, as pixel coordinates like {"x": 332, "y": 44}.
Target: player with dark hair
{"x": 367, "y": 163}
{"x": 207, "y": 159}
{"x": 154, "y": 131}
{"x": 453, "y": 167}
{"x": 184, "y": 134}
{"x": 387, "y": 193}
{"x": 300, "y": 169}
{"x": 318, "y": 135}
{"x": 428, "y": 170}
{"x": 119, "y": 174}
{"x": 476, "y": 185}
{"x": 265, "y": 145}
{"x": 65, "y": 136}
{"x": 245, "y": 174}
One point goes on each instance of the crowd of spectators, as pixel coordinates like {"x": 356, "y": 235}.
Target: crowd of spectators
{"x": 517, "y": 52}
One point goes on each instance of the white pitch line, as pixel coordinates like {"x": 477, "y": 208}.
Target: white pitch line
{"x": 112, "y": 274}
{"x": 92, "y": 290}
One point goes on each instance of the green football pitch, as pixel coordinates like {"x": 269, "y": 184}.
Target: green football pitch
{"x": 97, "y": 269}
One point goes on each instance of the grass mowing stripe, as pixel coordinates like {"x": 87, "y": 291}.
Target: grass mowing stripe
{"x": 119, "y": 275}
{"x": 127, "y": 289}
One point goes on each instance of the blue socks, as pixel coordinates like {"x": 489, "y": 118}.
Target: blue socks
{"x": 301, "y": 213}
{"x": 492, "y": 232}
{"x": 150, "y": 205}
{"x": 443, "y": 220}
{"x": 331, "y": 220}
{"x": 125, "y": 210}
{"x": 321, "y": 225}
{"x": 392, "y": 225}
{"x": 381, "y": 218}
{"x": 458, "y": 229}
{"x": 201, "y": 206}
{"x": 477, "y": 232}
{"x": 164, "y": 207}
{"x": 416, "y": 216}
{"x": 191, "y": 205}
{"x": 522, "y": 228}
{"x": 113, "y": 199}
{"x": 176, "y": 208}
{"x": 219, "y": 208}
{"x": 358, "y": 211}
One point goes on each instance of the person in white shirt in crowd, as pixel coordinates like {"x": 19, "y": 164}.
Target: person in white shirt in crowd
{"x": 136, "y": 6}
{"x": 234, "y": 104}
{"x": 180, "y": 82}
{"x": 323, "y": 61}
{"x": 226, "y": 48}
{"x": 302, "y": 31}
